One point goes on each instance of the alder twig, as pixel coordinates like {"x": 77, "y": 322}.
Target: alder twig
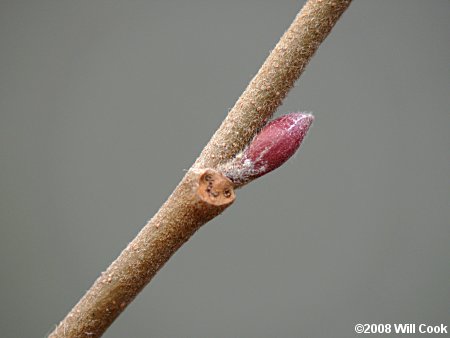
{"x": 204, "y": 192}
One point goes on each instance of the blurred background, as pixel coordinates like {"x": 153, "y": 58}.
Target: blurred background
{"x": 104, "y": 104}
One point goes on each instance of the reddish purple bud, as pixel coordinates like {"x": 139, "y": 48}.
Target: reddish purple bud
{"x": 273, "y": 146}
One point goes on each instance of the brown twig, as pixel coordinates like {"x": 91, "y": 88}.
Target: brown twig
{"x": 204, "y": 192}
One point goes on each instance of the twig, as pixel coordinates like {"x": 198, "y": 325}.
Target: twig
{"x": 204, "y": 192}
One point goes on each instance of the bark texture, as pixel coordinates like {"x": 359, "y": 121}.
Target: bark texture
{"x": 185, "y": 210}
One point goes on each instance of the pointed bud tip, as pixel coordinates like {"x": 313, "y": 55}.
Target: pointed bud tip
{"x": 297, "y": 120}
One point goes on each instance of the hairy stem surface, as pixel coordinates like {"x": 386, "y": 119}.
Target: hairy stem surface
{"x": 185, "y": 212}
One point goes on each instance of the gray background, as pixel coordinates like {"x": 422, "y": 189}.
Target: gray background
{"x": 103, "y": 105}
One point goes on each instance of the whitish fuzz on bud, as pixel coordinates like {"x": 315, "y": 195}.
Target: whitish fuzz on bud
{"x": 269, "y": 149}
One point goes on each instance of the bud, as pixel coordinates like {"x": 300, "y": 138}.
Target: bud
{"x": 268, "y": 150}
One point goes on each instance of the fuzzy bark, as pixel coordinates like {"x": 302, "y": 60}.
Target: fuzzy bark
{"x": 273, "y": 81}
{"x": 186, "y": 210}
